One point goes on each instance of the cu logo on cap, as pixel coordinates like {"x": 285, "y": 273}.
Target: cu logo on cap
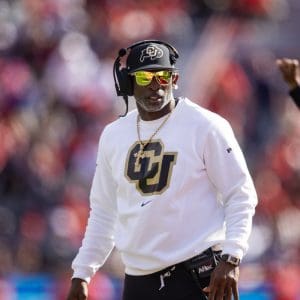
{"x": 151, "y": 52}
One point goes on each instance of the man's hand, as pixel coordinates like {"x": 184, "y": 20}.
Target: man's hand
{"x": 289, "y": 69}
{"x": 223, "y": 282}
{"x": 78, "y": 290}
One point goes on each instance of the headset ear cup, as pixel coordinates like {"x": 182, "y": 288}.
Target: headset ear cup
{"x": 130, "y": 85}
{"x": 125, "y": 83}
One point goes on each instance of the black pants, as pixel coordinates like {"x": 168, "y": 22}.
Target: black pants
{"x": 173, "y": 283}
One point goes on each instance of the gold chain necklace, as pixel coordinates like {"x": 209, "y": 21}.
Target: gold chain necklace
{"x": 140, "y": 154}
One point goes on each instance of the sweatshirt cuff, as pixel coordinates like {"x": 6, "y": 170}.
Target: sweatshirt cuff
{"x": 233, "y": 249}
{"x": 82, "y": 274}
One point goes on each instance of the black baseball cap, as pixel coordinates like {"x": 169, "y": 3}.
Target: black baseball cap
{"x": 150, "y": 56}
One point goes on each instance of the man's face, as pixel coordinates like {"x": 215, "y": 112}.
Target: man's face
{"x": 154, "y": 96}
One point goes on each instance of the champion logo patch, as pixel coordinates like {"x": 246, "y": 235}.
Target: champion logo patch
{"x": 151, "y": 52}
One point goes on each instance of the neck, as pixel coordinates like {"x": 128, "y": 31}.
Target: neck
{"x": 150, "y": 116}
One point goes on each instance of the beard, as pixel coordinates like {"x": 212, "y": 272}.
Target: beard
{"x": 155, "y": 101}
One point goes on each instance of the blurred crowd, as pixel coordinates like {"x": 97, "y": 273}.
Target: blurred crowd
{"x": 57, "y": 94}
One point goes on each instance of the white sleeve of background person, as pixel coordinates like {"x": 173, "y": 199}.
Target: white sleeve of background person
{"x": 227, "y": 169}
{"x": 98, "y": 241}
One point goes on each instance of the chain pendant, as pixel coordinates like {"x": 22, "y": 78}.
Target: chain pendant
{"x": 140, "y": 154}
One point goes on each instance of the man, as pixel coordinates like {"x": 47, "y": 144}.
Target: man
{"x": 289, "y": 69}
{"x": 171, "y": 191}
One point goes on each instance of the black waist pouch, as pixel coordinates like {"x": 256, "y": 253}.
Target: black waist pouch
{"x": 201, "y": 266}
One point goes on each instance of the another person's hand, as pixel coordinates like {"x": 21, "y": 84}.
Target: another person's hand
{"x": 223, "y": 282}
{"x": 78, "y": 290}
{"x": 289, "y": 69}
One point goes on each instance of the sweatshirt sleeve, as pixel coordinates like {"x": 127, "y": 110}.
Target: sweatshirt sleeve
{"x": 98, "y": 240}
{"x": 227, "y": 169}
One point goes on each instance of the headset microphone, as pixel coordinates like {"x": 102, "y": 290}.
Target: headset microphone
{"x": 122, "y": 52}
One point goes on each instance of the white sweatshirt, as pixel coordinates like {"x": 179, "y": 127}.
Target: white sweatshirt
{"x": 198, "y": 193}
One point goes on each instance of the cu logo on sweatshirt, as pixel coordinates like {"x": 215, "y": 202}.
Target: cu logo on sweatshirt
{"x": 151, "y": 172}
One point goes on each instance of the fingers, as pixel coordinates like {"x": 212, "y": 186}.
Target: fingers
{"x": 222, "y": 289}
{"x": 77, "y": 297}
{"x": 217, "y": 290}
{"x": 289, "y": 69}
{"x": 228, "y": 294}
{"x": 235, "y": 293}
{"x": 286, "y": 62}
{"x": 221, "y": 293}
{"x": 287, "y": 66}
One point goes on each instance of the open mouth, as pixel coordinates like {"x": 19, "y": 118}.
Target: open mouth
{"x": 155, "y": 98}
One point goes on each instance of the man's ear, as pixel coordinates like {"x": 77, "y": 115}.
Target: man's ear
{"x": 175, "y": 78}
{"x": 174, "y": 81}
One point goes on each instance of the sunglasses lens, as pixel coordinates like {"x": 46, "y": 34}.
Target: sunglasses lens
{"x": 163, "y": 77}
{"x": 143, "y": 78}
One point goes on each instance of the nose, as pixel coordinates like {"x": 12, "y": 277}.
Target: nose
{"x": 154, "y": 85}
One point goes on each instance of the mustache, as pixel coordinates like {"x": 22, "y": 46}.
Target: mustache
{"x": 159, "y": 93}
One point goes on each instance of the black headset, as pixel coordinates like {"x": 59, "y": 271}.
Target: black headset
{"x": 123, "y": 81}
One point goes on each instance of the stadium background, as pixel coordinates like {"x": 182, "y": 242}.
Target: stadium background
{"x": 57, "y": 94}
